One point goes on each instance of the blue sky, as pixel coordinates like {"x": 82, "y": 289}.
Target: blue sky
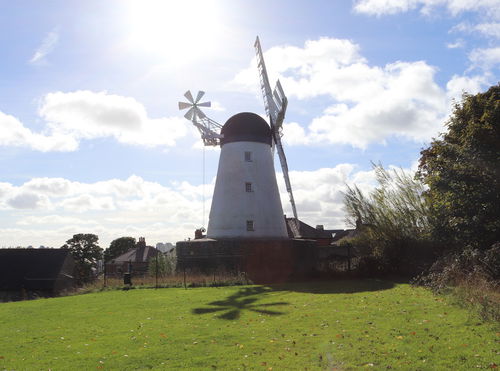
{"x": 92, "y": 140}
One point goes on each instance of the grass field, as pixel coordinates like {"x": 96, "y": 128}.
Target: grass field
{"x": 342, "y": 325}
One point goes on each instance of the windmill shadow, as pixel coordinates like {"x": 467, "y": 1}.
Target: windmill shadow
{"x": 244, "y": 300}
{"x": 337, "y": 286}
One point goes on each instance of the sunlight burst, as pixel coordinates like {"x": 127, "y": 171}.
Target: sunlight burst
{"x": 179, "y": 30}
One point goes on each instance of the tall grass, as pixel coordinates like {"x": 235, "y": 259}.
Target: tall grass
{"x": 393, "y": 219}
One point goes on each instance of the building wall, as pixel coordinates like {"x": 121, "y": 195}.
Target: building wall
{"x": 232, "y": 206}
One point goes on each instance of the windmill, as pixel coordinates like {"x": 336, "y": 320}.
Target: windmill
{"x": 275, "y": 103}
{"x": 246, "y": 201}
{"x": 208, "y": 128}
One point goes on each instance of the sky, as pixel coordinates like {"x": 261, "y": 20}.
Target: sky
{"x": 92, "y": 140}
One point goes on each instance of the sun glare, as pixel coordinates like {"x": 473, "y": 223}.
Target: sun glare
{"x": 178, "y": 29}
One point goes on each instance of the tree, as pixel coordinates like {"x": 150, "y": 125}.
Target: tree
{"x": 86, "y": 252}
{"x": 119, "y": 246}
{"x": 462, "y": 171}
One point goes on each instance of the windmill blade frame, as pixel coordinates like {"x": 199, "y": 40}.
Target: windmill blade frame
{"x": 275, "y": 103}
{"x": 208, "y": 128}
{"x": 199, "y": 96}
{"x": 189, "y": 96}
{"x": 184, "y": 105}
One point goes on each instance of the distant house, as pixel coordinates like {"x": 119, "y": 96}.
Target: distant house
{"x": 324, "y": 237}
{"x": 27, "y": 273}
{"x": 332, "y": 254}
{"x": 135, "y": 260}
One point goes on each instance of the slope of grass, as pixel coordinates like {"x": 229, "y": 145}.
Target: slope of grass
{"x": 342, "y": 325}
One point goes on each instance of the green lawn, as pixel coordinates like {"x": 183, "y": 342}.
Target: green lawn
{"x": 345, "y": 325}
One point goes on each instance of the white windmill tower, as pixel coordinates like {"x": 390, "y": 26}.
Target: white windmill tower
{"x": 246, "y": 201}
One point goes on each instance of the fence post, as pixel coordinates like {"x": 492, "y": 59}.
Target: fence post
{"x": 184, "y": 267}
{"x": 156, "y": 281}
{"x": 349, "y": 257}
{"x": 104, "y": 271}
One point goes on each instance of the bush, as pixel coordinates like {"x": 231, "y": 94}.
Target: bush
{"x": 472, "y": 276}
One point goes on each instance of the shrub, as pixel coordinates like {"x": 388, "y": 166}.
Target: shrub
{"x": 472, "y": 276}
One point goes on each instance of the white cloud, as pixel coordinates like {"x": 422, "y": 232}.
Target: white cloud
{"x": 407, "y": 103}
{"x": 368, "y": 103}
{"x": 326, "y": 204}
{"x": 454, "y": 7}
{"x": 14, "y": 133}
{"x": 459, "y": 43}
{"x": 294, "y": 134}
{"x": 488, "y": 29}
{"x": 71, "y": 117}
{"x": 46, "y": 47}
{"x": 54, "y": 219}
{"x": 86, "y": 202}
{"x": 486, "y": 13}
{"x": 380, "y": 7}
{"x": 323, "y": 55}
{"x": 217, "y": 106}
{"x": 491, "y": 29}
{"x": 464, "y": 84}
{"x": 28, "y": 200}
{"x": 86, "y": 115}
{"x": 50, "y": 186}
{"x": 485, "y": 58}
{"x": 48, "y": 211}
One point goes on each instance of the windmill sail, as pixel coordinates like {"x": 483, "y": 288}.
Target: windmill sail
{"x": 275, "y": 103}
{"x": 208, "y": 128}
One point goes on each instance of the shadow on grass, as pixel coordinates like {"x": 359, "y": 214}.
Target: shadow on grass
{"x": 243, "y": 300}
{"x": 246, "y": 298}
{"x": 343, "y": 286}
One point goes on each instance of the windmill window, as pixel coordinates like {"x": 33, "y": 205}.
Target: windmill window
{"x": 248, "y": 156}
{"x": 250, "y": 225}
{"x": 248, "y": 187}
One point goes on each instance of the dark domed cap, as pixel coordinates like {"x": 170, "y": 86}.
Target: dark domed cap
{"x": 246, "y": 127}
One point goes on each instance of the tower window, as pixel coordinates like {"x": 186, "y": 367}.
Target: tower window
{"x": 248, "y": 187}
{"x": 248, "y": 156}
{"x": 250, "y": 225}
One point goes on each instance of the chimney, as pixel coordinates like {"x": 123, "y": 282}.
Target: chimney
{"x": 320, "y": 227}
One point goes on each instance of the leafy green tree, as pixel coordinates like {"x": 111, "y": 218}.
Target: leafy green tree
{"x": 462, "y": 171}
{"x": 119, "y": 246}
{"x": 86, "y": 252}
